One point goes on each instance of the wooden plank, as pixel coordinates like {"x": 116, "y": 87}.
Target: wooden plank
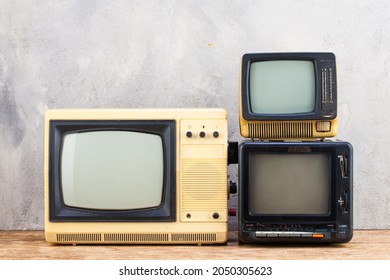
{"x": 365, "y": 245}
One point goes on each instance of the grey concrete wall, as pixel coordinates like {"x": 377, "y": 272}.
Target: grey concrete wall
{"x": 125, "y": 54}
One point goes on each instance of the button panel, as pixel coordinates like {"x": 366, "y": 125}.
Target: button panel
{"x": 213, "y": 131}
{"x": 286, "y": 234}
{"x": 279, "y": 231}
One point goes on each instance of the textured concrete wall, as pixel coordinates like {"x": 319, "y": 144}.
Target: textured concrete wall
{"x": 125, "y": 54}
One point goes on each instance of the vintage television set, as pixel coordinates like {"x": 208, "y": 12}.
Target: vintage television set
{"x": 295, "y": 191}
{"x": 288, "y": 96}
{"x": 136, "y": 176}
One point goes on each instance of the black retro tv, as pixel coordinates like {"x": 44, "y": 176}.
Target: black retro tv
{"x": 288, "y": 95}
{"x": 295, "y": 192}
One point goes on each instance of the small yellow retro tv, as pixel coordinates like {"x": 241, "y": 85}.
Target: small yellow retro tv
{"x": 153, "y": 176}
{"x": 288, "y": 96}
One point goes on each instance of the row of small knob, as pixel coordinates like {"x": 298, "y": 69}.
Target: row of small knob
{"x": 202, "y": 134}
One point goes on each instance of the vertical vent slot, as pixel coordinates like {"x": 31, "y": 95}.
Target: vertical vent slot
{"x": 280, "y": 130}
{"x": 142, "y": 237}
{"x": 194, "y": 237}
{"x": 79, "y": 237}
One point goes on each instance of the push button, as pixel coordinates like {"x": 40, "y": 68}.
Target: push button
{"x": 249, "y": 227}
{"x": 323, "y": 126}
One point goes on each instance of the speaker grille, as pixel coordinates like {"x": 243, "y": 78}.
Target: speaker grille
{"x": 271, "y": 130}
{"x": 141, "y": 237}
{"x": 204, "y": 184}
{"x": 194, "y": 237}
{"x": 79, "y": 237}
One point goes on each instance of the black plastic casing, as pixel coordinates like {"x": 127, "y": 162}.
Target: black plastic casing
{"x": 325, "y": 86}
{"x": 336, "y": 227}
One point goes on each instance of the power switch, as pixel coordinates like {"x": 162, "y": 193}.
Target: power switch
{"x": 323, "y": 126}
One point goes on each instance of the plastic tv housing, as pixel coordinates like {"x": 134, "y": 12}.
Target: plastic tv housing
{"x": 136, "y": 176}
{"x": 288, "y": 96}
{"x": 295, "y": 192}
{"x": 294, "y": 186}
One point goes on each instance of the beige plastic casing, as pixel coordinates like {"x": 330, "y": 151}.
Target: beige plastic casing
{"x": 288, "y": 130}
{"x": 201, "y": 182}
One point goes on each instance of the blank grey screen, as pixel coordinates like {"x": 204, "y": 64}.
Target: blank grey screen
{"x": 289, "y": 184}
{"x": 112, "y": 170}
{"x": 282, "y": 87}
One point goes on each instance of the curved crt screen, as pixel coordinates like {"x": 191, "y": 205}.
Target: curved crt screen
{"x": 112, "y": 170}
{"x": 284, "y": 184}
{"x": 282, "y": 87}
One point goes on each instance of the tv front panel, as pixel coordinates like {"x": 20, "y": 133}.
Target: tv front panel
{"x": 295, "y": 192}
{"x": 154, "y": 176}
{"x": 288, "y": 96}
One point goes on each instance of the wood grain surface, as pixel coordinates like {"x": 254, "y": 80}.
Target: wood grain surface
{"x": 30, "y": 245}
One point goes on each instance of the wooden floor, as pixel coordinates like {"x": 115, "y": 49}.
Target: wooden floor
{"x": 365, "y": 245}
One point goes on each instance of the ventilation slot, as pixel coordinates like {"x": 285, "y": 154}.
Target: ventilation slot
{"x": 124, "y": 237}
{"x": 79, "y": 237}
{"x": 274, "y": 130}
{"x": 194, "y": 237}
{"x": 204, "y": 184}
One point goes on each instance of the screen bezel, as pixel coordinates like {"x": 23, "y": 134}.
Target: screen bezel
{"x": 248, "y": 148}
{"x": 321, "y": 111}
{"x": 166, "y": 211}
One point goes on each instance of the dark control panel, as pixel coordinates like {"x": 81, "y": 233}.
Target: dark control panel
{"x": 283, "y": 232}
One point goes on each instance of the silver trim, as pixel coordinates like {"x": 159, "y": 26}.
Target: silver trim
{"x": 281, "y": 234}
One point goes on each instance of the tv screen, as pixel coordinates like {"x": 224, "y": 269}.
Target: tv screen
{"x": 282, "y": 87}
{"x": 289, "y": 184}
{"x": 111, "y": 170}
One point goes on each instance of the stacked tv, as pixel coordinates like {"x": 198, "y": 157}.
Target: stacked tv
{"x": 295, "y": 181}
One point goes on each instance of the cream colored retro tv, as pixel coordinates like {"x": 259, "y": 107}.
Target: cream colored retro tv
{"x": 153, "y": 176}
